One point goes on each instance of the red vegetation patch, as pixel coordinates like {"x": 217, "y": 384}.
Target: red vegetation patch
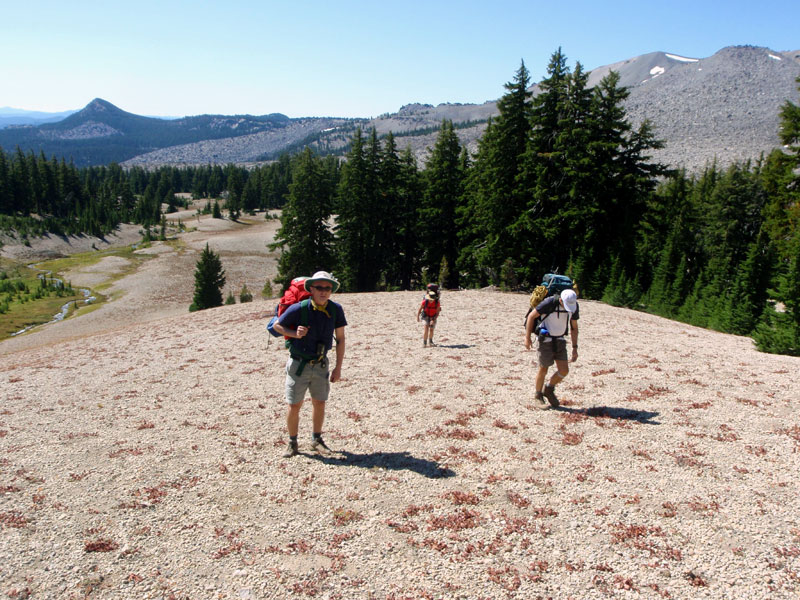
{"x": 13, "y": 519}
{"x": 650, "y": 391}
{"x": 100, "y": 545}
{"x": 459, "y": 498}
{"x": 463, "y": 519}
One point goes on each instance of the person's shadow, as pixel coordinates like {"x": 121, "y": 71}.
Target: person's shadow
{"x": 391, "y": 461}
{"x": 644, "y": 417}
{"x": 457, "y": 346}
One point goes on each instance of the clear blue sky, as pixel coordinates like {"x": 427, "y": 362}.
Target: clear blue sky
{"x": 351, "y": 58}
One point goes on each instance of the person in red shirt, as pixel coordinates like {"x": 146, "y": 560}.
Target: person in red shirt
{"x": 429, "y": 311}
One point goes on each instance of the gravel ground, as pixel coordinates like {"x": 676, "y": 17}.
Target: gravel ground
{"x": 145, "y": 461}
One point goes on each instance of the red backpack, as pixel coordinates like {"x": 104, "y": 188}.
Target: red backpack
{"x": 296, "y": 292}
{"x": 430, "y": 307}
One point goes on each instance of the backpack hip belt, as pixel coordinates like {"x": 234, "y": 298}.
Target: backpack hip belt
{"x": 308, "y": 359}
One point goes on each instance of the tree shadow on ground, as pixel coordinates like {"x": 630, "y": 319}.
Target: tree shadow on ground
{"x": 391, "y": 461}
{"x": 642, "y": 416}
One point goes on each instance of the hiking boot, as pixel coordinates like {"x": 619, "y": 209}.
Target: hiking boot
{"x": 425, "y": 344}
{"x": 292, "y": 450}
{"x": 550, "y": 394}
{"x": 432, "y": 344}
{"x": 317, "y": 443}
{"x": 540, "y": 400}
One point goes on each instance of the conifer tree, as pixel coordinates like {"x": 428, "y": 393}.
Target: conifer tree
{"x": 493, "y": 198}
{"x": 399, "y": 191}
{"x": 209, "y": 279}
{"x": 235, "y": 187}
{"x": 543, "y": 172}
{"x": 355, "y": 224}
{"x": 409, "y": 194}
{"x": 444, "y": 186}
{"x": 6, "y": 199}
{"x": 305, "y": 238}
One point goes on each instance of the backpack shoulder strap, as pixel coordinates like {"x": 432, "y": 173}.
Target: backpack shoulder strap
{"x": 305, "y": 308}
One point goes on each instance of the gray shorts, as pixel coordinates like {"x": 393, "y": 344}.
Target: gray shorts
{"x": 429, "y": 320}
{"x": 313, "y": 379}
{"x": 552, "y": 350}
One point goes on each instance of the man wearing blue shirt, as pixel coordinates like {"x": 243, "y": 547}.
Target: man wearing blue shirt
{"x": 312, "y": 326}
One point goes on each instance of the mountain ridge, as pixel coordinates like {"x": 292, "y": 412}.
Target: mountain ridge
{"x": 721, "y": 108}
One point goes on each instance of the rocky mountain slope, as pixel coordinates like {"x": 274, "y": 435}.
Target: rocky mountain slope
{"x": 724, "y": 107}
{"x": 102, "y": 133}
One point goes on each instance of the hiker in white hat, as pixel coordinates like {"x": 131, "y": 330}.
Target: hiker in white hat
{"x": 557, "y": 315}
{"x": 311, "y": 326}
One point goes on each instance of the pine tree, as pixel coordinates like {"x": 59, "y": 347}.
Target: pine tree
{"x": 6, "y": 198}
{"x": 444, "y": 186}
{"x": 543, "y": 173}
{"x": 235, "y": 187}
{"x": 400, "y": 190}
{"x": 305, "y": 238}
{"x": 357, "y": 209}
{"x": 493, "y": 198}
{"x": 245, "y": 295}
{"x": 209, "y": 279}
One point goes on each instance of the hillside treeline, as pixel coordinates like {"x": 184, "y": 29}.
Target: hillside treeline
{"x": 40, "y": 195}
{"x": 560, "y": 182}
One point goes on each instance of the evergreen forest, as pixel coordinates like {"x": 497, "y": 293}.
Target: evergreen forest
{"x": 560, "y": 182}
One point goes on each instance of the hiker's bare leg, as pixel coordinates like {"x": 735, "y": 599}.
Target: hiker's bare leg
{"x": 562, "y": 370}
{"x": 317, "y": 415}
{"x": 293, "y": 418}
{"x": 540, "y": 375}
{"x": 425, "y": 332}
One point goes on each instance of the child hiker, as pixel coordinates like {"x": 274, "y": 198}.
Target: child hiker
{"x": 429, "y": 311}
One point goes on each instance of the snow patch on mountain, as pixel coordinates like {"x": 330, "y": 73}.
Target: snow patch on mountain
{"x": 682, "y": 58}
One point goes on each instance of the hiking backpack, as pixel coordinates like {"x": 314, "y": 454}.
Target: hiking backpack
{"x": 296, "y": 292}
{"x": 552, "y": 285}
{"x": 430, "y": 307}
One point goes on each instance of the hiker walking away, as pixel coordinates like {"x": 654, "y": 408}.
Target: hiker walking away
{"x": 557, "y": 315}
{"x": 429, "y": 311}
{"x": 311, "y": 326}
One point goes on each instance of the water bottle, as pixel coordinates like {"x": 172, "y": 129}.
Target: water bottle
{"x": 543, "y": 334}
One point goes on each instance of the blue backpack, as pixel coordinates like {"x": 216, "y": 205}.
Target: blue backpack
{"x": 556, "y": 284}
{"x": 552, "y": 285}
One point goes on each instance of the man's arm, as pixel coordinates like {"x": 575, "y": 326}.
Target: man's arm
{"x": 529, "y": 327}
{"x": 573, "y": 333}
{"x": 336, "y": 374}
{"x": 294, "y": 333}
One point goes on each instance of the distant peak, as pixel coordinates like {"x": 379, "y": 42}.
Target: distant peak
{"x": 98, "y": 104}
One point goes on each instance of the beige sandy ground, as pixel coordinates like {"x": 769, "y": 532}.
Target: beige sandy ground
{"x": 140, "y": 455}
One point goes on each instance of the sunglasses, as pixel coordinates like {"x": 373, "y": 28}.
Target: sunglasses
{"x": 323, "y": 288}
